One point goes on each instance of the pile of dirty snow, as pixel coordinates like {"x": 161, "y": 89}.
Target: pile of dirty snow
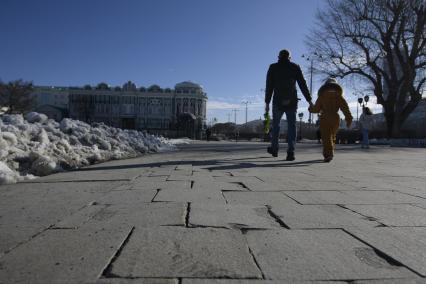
{"x": 38, "y": 146}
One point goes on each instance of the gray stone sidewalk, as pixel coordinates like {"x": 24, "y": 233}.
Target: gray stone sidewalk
{"x": 224, "y": 213}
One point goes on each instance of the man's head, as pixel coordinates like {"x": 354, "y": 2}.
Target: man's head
{"x": 284, "y": 55}
{"x": 367, "y": 111}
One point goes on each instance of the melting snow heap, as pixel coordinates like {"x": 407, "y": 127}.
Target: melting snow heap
{"x": 38, "y": 146}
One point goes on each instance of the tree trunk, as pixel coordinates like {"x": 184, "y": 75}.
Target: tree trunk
{"x": 393, "y": 123}
{"x": 396, "y": 128}
{"x": 389, "y": 118}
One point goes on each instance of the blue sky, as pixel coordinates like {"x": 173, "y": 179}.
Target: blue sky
{"x": 224, "y": 45}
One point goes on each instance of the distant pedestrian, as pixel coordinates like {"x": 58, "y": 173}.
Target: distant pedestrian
{"x": 281, "y": 85}
{"x": 366, "y": 121}
{"x": 330, "y": 100}
{"x": 318, "y": 132}
{"x": 208, "y": 134}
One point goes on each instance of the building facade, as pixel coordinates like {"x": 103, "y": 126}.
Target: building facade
{"x": 53, "y": 96}
{"x": 173, "y": 112}
{"x": 52, "y": 101}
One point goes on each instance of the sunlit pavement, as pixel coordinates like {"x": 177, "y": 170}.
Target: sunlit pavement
{"x": 222, "y": 212}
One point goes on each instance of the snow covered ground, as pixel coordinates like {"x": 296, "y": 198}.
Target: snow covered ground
{"x": 34, "y": 145}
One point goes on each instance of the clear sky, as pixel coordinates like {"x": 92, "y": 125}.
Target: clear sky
{"x": 224, "y": 45}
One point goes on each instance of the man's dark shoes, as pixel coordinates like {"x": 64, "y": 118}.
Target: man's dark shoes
{"x": 273, "y": 153}
{"x": 290, "y": 156}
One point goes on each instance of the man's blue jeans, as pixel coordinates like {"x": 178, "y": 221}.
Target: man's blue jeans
{"x": 277, "y": 114}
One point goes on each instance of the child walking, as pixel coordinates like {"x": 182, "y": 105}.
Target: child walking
{"x": 366, "y": 121}
{"x": 330, "y": 100}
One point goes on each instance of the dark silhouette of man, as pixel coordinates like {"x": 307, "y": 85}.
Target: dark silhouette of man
{"x": 281, "y": 86}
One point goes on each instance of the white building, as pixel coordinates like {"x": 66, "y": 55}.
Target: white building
{"x": 174, "y": 112}
{"x": 52, "y": 101}
{"x": 178, "y": 111}
{"x": 54, "y": 96}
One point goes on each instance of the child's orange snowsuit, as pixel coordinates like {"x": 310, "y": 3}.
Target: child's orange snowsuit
{"x": 330, "y": 100}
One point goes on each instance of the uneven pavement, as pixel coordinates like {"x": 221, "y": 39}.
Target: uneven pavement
{"x": 222, "y": 212}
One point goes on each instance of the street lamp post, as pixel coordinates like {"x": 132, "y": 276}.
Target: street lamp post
{"x": 235, "y": 121}
{"x": 310, "y": 87}
{"x": 300, "y": 126}
{"x": 362, "y": 103}
{"x": 366, "y": 99}
{"x": 310, "y": 58}
{"x": 235, "y": 115}
{"x": 246, "y": 103}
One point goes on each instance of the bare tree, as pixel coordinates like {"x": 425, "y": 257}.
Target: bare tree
{"x": 103, "y": 86}
{"x": 383, "y": 42}
{"x": 16, "y": 96}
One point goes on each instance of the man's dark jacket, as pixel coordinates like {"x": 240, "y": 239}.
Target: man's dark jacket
{"x": 281, "y": 83}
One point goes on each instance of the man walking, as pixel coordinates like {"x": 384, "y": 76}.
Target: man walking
{"x": 281, "y": 84}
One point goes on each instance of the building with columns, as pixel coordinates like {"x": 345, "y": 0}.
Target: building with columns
{"x": 173, "y": 112}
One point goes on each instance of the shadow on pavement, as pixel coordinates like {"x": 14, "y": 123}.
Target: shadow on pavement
{"x": 211, "y": 165}
{"x": 252, "y": 165}
{"x": 235, "y": 163}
